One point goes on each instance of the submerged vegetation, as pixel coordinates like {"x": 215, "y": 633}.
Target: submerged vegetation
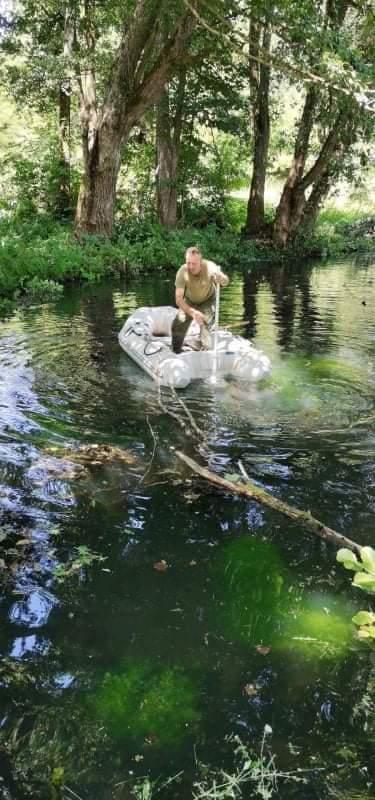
{"x": 147, "y": 703}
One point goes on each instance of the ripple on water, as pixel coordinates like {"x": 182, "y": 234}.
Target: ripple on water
{"x": 25, "y": 646}
{"x": 33, "y": 611}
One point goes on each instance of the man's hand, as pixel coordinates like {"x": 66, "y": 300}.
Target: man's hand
{"x": 219, "y": 278}
{"x": 199, "y": 318}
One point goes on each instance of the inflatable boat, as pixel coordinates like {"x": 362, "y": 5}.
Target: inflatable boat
{"x": 146, "y": 338}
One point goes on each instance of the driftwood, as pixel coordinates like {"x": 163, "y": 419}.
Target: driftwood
{"x": 253, "y": 492}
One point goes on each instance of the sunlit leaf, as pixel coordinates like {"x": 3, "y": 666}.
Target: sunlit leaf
{"x": 368, "y": 559}
{"x": 348, "y": 559}
{"x": 364, "y": 618}
{"x": 364, "y": 581}
{"x": 367, "y": 633}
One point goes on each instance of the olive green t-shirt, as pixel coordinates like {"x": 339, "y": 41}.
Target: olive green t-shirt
{"x": 197, "y": 288}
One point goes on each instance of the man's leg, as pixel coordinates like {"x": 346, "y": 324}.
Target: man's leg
{"x": 180, "y": 327}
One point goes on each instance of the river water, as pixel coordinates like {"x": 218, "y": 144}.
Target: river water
{"x": 152, "y": 625}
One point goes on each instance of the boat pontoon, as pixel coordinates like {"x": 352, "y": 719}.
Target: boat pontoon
{"x": 146, "y": 338}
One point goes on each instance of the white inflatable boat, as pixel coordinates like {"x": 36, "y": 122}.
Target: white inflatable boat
{"x": 146, "y": 338}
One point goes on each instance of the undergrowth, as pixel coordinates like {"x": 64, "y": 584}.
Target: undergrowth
{"x": 39, "y": 255}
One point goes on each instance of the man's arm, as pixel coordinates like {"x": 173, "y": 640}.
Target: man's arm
{"x": 218, "y": 276}
{"x": 181, "y": 303}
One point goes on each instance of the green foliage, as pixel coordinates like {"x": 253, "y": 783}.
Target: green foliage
{"x": 364, "y": 579}
{"x": 39, "y": 255}
{"x": 147, "y": 702}
{"x": 219, "y": 166}
{"x": 43, "y": 289}
{"x": 364, "y": 568}
{"x": 35, "y": 175}
{"x": 83, "y": 557}
{"x": 366, "y": 623}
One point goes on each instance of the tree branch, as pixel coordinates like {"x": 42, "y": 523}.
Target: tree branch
{"x": 253, "y": 492}
{"x": 324, "y": 155}
{"x": 263, "y": 57}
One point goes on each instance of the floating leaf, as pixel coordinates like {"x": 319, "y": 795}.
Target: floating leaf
{"x": 348, "y": 559}
{"x": 367, "y": 633}
{"x": 364, "y": 581}
{"x": 161, "y": 566}
{"x": 364, "y": 618}
{"x": 368, "y": 559}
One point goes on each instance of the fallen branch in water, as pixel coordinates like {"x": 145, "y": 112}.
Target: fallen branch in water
{"x": 253, "y": 492}
{"x": 236, "y": 324}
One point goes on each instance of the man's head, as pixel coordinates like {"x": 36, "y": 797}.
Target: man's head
{"x": 193, "y": 258}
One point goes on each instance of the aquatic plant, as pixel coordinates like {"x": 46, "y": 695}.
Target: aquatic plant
{"x": 258, "y": 771}
{"x": 318, "y": 630}
{"x": 364, "y": 579}
{"x": 261, "y": 608}
{"x": 252, "y": 577}
{"x": 158, "y": 705}
{"x": 83, "y": 557}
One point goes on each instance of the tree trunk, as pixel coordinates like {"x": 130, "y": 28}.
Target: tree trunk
{"x": 63, "y": 200}
{"x": 292, "y": 208}
{"x": 292, "y": 200}
{"x": 168, "y": 138}
{"x": 296, "y": 207}
{"x": 315, "y": 201}
{"x": 95, "y": 206}
{"x": 259, "y": 88}
{"x": 139, "y": 75}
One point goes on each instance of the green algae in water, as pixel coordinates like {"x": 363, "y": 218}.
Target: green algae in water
{"x": 142, "y": 702}
{"x": 320, "y": 368}
{"x": 261, "y": 605}
{"x": 318, "y": 631}
{"x": 255, "y": 597}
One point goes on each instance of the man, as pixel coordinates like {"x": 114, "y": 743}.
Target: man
{"x": 195, "y": 297}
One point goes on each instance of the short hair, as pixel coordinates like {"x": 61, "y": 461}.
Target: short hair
{"x": 193, "y": 251}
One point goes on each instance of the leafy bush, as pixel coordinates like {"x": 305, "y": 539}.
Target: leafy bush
{"x": 35, "y": 178}
{"x": 43, "y": 289}
{"x": 41, "y": 249}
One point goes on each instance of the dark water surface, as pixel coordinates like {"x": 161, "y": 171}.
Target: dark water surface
{"x": 149, "y": 620}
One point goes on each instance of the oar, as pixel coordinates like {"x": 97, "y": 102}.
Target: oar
{"x": 217, "y": 308}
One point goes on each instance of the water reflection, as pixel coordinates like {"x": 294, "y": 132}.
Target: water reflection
{"x": 244, "y": 621}
{"x": 24, "y": 646}
{"x": 295, "y": 307}
{"x": 34, "y": 610}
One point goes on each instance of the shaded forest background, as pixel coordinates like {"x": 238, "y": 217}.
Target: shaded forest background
{"x": 249, "y": 116}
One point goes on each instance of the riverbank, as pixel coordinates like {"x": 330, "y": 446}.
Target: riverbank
{"x": 39, "y": 256}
